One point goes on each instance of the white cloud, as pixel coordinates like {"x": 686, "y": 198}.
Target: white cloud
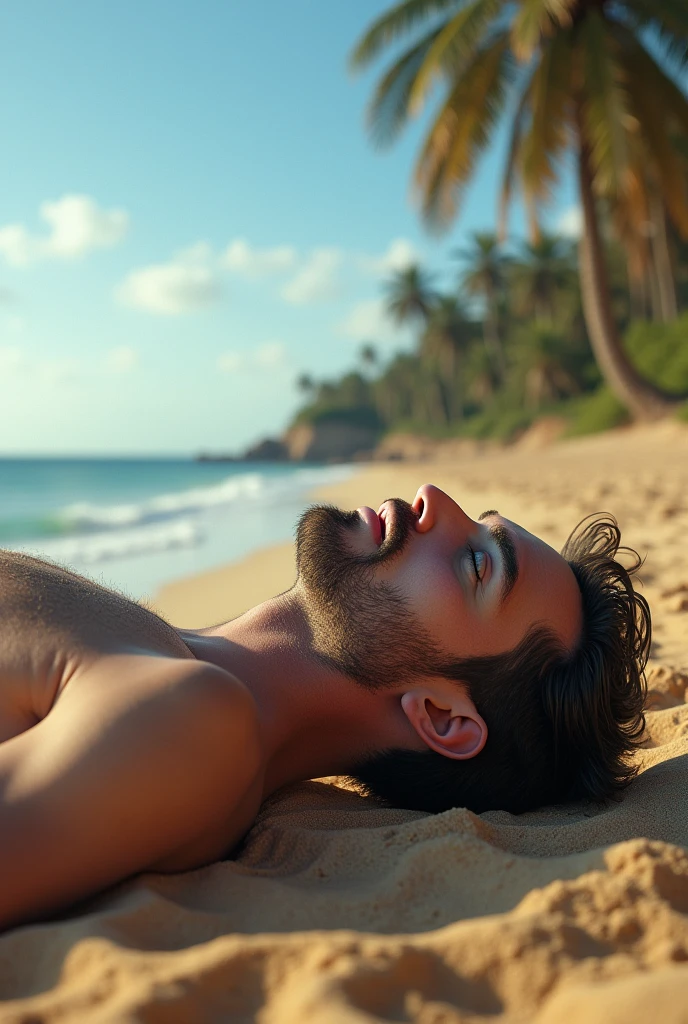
{"x": 192, "y": 278}
{"x": 570, "y": 223}
{"x": 58, "y": 371}
{"x": 317, "y": 280}
{"x": 187, "y": 283}
{"x": 400, "y": 254}
{"x": 271, "y": 355}
{"x": 122, "y": 359}
{"x": 199, "y": 254}
{"x": 242, "y": 258}
{"x": 18, "y": 361}
{"x": 368, "y": 321}
{"x": 268, "y": 357}
{"x": 17, "y": 246}
{"x": 231, "y": 362}
{"x": 12, "y": 324}
{"x": 77, "y": 226}
{"x": 15, "y": 360}
{"x": 11, "y": 359}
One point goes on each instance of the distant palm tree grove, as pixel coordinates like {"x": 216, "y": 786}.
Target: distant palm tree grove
{"x": 595, "y": 330}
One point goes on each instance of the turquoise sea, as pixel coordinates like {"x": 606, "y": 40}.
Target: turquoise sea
{"x": 135, "y": 524}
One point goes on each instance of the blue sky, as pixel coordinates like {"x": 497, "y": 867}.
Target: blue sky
{"x": 192, "y": 214}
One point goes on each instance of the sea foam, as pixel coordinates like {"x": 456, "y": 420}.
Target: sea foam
{"x": 87, "y": 533}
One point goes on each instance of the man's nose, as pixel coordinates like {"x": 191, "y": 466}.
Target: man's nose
{"x": 432, "y": 506}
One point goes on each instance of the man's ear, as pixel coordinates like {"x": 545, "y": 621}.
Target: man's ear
{"x": 446, "y": 719}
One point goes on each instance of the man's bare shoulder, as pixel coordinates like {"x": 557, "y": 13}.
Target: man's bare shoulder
{"x": 46, "y": 604}
{"x": 204, "y": 710}
{"x": 149, "y": 763}
{"x": 220, "y": 706}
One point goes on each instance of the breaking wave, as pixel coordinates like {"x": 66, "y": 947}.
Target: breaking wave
{"x": 88, "y": 533}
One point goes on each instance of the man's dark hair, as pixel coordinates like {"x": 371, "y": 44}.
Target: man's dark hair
{"x": 561, "y": 725}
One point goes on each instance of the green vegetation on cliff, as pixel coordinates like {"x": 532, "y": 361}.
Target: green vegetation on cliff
{"x": 526, "y": 356}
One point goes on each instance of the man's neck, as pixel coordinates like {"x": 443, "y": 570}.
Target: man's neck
{"x": 315, "y": 721}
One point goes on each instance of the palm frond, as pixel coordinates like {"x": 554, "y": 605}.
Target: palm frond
{"x": 671, "y": 100}
{"x": 667, "y": 22}
{"x": 605, "y": 107}
{"x": 549, "y": 133}
{"x": 631, "y": 215}
{"x": 392, "y": 25}
{"x": 650, "y": 90}
{"x": 536, "y": 19}
{"x": 485, "y": 249}
{"x": 389, "y": 108}
{"x": 453, "y": 45}
{"x": 409, "y": 294}
{"x": 518, "y": 125}
{"x": 462, "y": 130}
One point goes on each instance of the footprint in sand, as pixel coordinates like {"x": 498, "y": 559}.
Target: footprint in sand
{"x": 669, "y": 511}
{"x": 666, "y": 688}
{"x": 675, "y": 599}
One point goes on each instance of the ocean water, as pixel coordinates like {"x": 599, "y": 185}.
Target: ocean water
{"x": 134, "y": 524}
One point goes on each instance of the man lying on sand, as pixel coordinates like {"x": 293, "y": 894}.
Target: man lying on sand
{"x": 441, "y": 661}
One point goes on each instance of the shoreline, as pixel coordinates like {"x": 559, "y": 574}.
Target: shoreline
{"x": 638, "y": 474}
{"x": 227, "y": 590}
{"x": 218, "y": 595}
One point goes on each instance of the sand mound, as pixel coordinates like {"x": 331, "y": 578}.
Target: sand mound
{"x": 337, "y": 909}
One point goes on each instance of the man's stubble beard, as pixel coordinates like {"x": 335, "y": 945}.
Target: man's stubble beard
{"x": 361, "y": 626}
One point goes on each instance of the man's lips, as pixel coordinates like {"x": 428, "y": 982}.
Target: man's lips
{"x": 375, "y": 522}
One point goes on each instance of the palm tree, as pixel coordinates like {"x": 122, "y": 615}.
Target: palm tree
{"x": 368, "y": 356}
{"x": 305, "y": 384}
{"x": 541, "y": 275}
{"x": 681, "y": 248}
{"x": 400, "y": 393}
{"x": 409, "y": 295}
{"x": 541, "y": 360}
{"x": 661, "y": 259}
{"x": 485, "y": 277}
{"x": 480, "y": 379}
{"x": 443, "y": 344}
{"x": 582, "y": 80}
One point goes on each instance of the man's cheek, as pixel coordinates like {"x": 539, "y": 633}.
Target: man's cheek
{"x": 434, "y": 595}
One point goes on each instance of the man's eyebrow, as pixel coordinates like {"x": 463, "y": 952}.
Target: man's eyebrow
{"x": 503, "y": 539}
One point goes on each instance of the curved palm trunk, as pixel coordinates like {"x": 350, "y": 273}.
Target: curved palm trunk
{"x": 637, "y": 288}
{"x": 662, "y": 259}
{"x": 643, "y": 399}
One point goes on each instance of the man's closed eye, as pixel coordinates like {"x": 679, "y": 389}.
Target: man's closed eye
{"x": 479, "y": 559}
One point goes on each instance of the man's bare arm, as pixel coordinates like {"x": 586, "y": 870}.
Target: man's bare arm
{"x": 117, "y": 777}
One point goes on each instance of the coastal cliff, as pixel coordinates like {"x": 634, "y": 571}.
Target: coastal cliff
{"x": 329, "y": 441}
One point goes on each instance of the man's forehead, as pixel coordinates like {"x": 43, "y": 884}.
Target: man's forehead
{"x": 548, "y": 579}
{"x": 518, "y": 529}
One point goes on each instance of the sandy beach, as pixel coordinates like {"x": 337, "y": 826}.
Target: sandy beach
{"x": 339, "y": 911}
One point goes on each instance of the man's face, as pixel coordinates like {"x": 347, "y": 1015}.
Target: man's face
{"x": 398, "y": 593}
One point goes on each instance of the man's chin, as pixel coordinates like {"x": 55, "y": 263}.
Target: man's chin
{"x": 331, "y": 544}
{"x": 321, "y": 549}
{"x": 360, "y": 624}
